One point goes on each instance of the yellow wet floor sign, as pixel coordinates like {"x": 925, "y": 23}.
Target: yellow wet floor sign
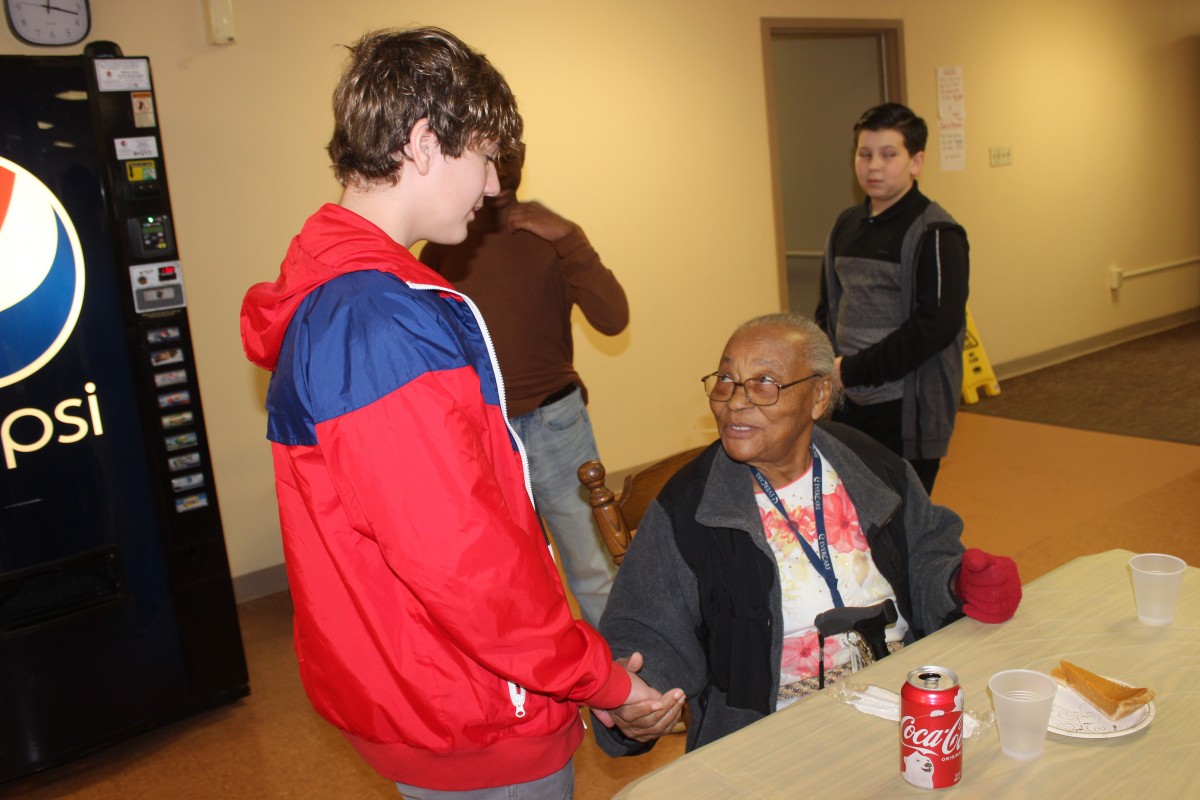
{"x": 977, "y": 370}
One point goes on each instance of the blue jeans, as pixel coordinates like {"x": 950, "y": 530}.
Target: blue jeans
{"x": 558, "y": 439}
{"x": 559, "y": 786}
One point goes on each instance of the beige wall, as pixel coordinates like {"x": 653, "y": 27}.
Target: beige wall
{"x": 647, "y": 123}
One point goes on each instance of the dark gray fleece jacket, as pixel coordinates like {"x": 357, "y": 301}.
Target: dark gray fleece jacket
{"x": 698, "y": 592}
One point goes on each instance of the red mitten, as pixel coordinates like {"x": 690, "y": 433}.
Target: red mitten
{"x": 990, "y": 586}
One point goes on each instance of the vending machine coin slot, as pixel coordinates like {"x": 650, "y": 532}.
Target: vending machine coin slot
{"x": 157, "y": 287}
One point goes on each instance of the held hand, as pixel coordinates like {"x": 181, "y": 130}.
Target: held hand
{"x": 990, "y": 586}
{"x": 639, "y": 691}
{"x": 646, "y": 715}
{"x": 645, "y": 722}
{"x": 603, "y": 715}
{"x": 538, "y": 220}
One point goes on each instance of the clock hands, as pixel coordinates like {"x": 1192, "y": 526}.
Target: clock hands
{"x": 50, "y": 7}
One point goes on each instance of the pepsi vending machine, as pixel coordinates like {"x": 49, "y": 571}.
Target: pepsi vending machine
{"x": 116, "y": 604}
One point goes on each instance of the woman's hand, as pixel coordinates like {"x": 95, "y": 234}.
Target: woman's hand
{"x": 646, "y": 714}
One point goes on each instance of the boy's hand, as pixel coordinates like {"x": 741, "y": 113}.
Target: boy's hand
{"x": 538, "y": 220}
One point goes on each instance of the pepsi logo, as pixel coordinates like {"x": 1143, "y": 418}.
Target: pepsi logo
{"x": 41, "y": 274}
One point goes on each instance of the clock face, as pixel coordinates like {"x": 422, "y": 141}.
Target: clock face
{"x": 49, "y": 22}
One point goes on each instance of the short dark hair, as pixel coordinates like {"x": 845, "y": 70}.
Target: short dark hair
{"x": 395, "y": 79}
{"x": 897, "y": 117}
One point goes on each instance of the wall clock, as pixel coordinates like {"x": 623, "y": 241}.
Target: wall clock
{"x": 54, "y": 23}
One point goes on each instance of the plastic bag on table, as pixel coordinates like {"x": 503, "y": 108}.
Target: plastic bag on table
{"x": 883, "y": 703}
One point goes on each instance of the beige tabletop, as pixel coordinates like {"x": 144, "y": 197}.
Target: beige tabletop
{"x": 1083, "y": 612}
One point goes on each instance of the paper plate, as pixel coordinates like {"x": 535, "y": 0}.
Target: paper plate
{"x": 1074, "y": 716}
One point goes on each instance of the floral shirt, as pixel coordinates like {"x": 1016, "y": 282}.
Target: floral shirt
{"x": 805, "y": 594}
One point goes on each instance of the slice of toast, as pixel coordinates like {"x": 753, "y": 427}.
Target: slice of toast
{"x": 1113, "y": 700}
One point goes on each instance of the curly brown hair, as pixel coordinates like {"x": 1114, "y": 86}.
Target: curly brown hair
{"x": 395, "y": 79}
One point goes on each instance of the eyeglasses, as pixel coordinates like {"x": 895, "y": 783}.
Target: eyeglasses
{"x": 759, "y": 391}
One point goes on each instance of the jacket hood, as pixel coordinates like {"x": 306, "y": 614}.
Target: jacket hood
{"x": 334, "y": 241}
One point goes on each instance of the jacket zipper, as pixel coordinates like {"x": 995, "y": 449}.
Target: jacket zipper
{"x": 516, "y": 693}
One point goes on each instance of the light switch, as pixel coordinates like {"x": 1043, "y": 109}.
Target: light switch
{"x": 1000, "y": 156}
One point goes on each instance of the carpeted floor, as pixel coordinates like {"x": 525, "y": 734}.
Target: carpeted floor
{"x": 1149, "y": 387}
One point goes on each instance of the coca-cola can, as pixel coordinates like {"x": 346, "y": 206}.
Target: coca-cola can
{"x": 931, "y": 709}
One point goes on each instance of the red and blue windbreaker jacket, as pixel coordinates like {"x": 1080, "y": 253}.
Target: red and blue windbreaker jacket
{"x": 431, "y": 625}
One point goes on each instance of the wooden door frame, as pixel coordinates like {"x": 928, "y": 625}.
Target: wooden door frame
{"x": 890, "y": 32}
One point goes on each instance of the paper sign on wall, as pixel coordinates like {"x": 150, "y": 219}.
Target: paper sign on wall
{"x": 952, "y": 115}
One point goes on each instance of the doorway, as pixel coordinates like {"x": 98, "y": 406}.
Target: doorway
{"x": 821, "y": 75}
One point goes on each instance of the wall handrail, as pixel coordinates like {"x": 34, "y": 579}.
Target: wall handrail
{"x": 1133, "y": 273}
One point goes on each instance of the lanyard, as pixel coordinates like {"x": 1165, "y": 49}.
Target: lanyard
{"x": 823, "y": 563}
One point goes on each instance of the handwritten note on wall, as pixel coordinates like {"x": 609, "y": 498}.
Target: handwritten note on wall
{"x": 952, "y": 114}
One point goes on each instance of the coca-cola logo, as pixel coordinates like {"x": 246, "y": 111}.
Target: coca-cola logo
{"x": 931, "y": 740}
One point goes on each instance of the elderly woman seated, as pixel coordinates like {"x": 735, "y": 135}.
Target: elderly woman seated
{"x": 734, "y": 560}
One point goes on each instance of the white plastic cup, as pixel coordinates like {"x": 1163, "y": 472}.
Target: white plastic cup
{"x": 1156, "y": 582}
{"x": 1022, "y": 700}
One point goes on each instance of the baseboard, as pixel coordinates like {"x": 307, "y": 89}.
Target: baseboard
{"x": 260, "y": 583}
{"x": 1057, "y": 355}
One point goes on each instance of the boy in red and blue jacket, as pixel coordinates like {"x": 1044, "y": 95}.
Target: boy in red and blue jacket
{"x": 430, "y": 622}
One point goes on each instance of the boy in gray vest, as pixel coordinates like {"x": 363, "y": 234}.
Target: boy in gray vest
{"x": 894, "y": 296}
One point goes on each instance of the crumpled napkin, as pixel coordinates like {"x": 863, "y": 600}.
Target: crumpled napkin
{"x": 880, "y": 702}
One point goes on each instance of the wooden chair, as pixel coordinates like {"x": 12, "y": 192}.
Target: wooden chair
{"x": 618, "y": 517}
